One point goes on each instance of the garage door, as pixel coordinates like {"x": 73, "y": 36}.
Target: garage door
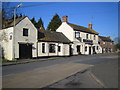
{"x": 25, "y": 51}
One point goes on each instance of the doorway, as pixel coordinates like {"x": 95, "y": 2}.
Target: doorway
{"x": 25, "y": 51}
{"x": 90, "y": 50}
{"x": 78, "y": 49}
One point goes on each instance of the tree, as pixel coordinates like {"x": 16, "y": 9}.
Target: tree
{"x": 16, "y": 16}
{"x": 7, "y": 13}
{"x": 40, "y": 24}
{"x": 34, "y": 22}
{"x": 20, "y": 15}
{"x": 117, "y": 43}
{"x": 55, "y": 23}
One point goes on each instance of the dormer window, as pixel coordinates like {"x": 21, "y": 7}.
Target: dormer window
{"x": 77, "y": 34}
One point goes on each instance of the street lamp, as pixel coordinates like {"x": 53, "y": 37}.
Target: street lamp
{"x": 14, "y": 30}
{"x": 15, "y": 12}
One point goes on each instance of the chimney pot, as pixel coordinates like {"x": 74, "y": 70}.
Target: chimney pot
{"x": 65, "y": 18}
{"x": 90, "y": 25}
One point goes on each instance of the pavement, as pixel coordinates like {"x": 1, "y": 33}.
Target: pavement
{"x": 23, "y": 61}
{"x": 42, "y": 77}
{"x": 78, "y": 80}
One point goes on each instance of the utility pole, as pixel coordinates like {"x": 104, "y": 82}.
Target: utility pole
{"x": 14, "y": 29}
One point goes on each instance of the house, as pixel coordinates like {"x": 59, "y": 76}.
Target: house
{"x": 85, "y": 40}
{"x": 19, "y": 41}
{"x": 107, "y": 44}
{"x": 51, "y": 43}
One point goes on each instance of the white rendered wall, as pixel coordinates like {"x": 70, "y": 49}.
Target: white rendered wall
{"x": 63, "y": 52}
{"x": 66, "y": 30}
{"x": 31, "y": 38}
{"x": 7, "y": 44}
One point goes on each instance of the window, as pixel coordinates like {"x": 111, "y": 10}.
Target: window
{"x": 85, "y": 48}
{"x": 52, "y": 48}
{"x": 43, "y": 47}
{"x": 77, "y": 34}
{"x": 86, "y": 36}
{"x": 94, "y": 37}
{"x": 97, "y": 47}
{"x": 59, "y": 48}
{"x": 90, "y": 36}
{"x": 25, "y": 32}
{"x": 109, "y": 49}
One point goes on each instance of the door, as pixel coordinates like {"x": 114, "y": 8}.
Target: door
{"x": 90, "y": 50}
{"x": 71, "y": 50}
{"x": 25, "y": 51}
{"x": 94, "y": 50}
{"x": 78, "y": 49}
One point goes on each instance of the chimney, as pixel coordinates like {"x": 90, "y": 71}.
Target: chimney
{"x": 90, "y": 25}
{"x": 65, "y": 18}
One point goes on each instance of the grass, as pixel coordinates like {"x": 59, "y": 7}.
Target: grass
{"x": 6, "y": 60}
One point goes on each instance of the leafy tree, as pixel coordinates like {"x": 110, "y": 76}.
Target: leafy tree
{"x": 40, "y": 24}
{"x": 55, "y": 23}
{"x": 34, "y": 22}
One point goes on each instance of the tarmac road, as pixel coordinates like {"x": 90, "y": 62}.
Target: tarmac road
{"x": 91, "y": 59}
{"x": 52, "y": 71}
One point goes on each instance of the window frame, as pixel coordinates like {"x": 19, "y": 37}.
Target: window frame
{"x": 25, "y": 31}
{"x": 94, "y": 37}
{"x": 52, "y": 48}
{"x": 97, "y": 48}
{"x": 59, "y": 48}
{"x": 43, "y": 47}
{"x": 76, "y": 34}
{"x": 86, "y": 36}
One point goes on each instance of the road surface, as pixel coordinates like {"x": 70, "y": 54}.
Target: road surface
{"x": 37, "y": 74}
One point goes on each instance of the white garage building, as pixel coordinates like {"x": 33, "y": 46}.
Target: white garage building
{"x": 20, "y": 41}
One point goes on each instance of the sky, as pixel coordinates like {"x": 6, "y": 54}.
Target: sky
{"x": 103, "y": 15}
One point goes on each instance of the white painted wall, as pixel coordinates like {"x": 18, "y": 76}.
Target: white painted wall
{"x": 70, "y": 34}
{"x": 7, "y": 44}
{"x": 64, "y": 49}
{"x": 31, "y": 38}
{"x": 19, "y": 38}
{"x": 66, "y": 30}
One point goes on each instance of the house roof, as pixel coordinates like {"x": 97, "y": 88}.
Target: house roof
{"x": 81, "y": 28}
{"x": 52, "y": 36}
{"x": 10, "y": 23}
{"x": 107, "y": 39}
